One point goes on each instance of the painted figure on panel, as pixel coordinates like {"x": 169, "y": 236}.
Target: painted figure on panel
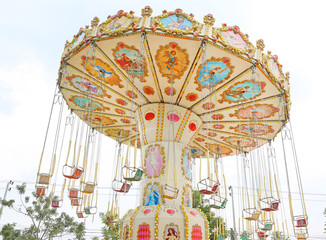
{"x": 153, "y": 196}
{"x": 129, "y": 59}
{"x": 176, "y": 22}
{"x": 186, "y": 163}
{"x": 234, "y": 39}
{"x": 272, "y": 65}
{"x": 154, "y": 161}
{"x": 85, "y": 85}
{"x": 257, "y": 111}
{"x": 171, "y": 58}
{"x": 239, "y": 141}
{"x": 86, "y": 103}
{"x": 118, "y": 23}
{"x": 171, "y": 232}
{"x": 256, "y": 129}
{"x": 187, "y": 196}
{"x": 101, "y": 70}
{"x": 214, "y": 72}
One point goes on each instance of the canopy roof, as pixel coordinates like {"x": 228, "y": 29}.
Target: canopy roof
{"x": 111, "y": 69}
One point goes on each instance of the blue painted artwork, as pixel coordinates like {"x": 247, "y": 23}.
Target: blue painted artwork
{"x": 186, "y": 163}
{"x": 213, "y": 73}
{"x": 86, "y": 86}
{"x": 243, "y": 91}
{"x": 176, "y": 22}
{"x": 87, "y": 103}
{"x": 152, "y": 195}
{"x": 102, "y": 72}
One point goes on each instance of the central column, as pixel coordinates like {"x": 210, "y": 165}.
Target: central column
{"x": 165, "y": 132}
{"x": 165, "y": 209}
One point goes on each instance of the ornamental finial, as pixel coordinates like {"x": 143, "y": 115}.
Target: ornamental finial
{"x": 147, "y": 11}
{"x": 209, "y": 19}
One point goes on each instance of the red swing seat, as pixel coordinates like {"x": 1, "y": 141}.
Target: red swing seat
{"x": 80, "y": 214}
{"x": 40, "y": 190}
{"x": 73, "y": 193}
{"x": 301, "y": 221}
{"x": 207, "y": 186}
{"x": 120, "y": 186}
{"x": 270, "y": 204}
{"x": 56, "y": 203}
{"x": 72, "y": 172}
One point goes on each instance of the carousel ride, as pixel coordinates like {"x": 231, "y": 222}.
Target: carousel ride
{"x": 182, "y": 92}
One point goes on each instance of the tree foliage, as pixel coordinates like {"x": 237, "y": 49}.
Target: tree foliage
{"x": 45, "y": 222}
{"x": 212, "y": 219}
{"x": 110, "y": 231}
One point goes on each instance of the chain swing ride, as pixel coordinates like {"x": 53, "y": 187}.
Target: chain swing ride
{"x": 182, "y": 92}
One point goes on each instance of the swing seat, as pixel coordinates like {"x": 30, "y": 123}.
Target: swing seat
{"x": 44, "y": 178}
{"x": 120, "y": 186}
{"x": 262, "y": 234}
{"x": 270, "y": 204}
{"x": 301, "y": 221}
{"x": 40, "y": 190}
{"x": 132, "y": 174}
{"x": 301, "y": 233}
{"x": 207, "y": 186}
{"x": 267, "y": 227}
{"x": 217, "y": 202}
{"x": 89, "y": 187}
{"x": 73, "y": 193}
{"x": 72, "y": 172}
{"x": 75, "y": 202}
{"x": 251, "y": 214}
{"x": 170, "y": 192}
{"x": 220, "y": 238}
{"x": 56, "y": 203}
{"x": 244, "y": 237}
{"x": 90, "y": 210}
{"x": 80, "y": 214}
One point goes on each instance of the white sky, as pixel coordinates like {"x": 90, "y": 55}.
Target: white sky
{"x": 33, "y": 34}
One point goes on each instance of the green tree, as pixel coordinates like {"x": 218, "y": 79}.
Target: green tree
{"x": 45, "y": 222}
{"x": 110, "y": 231}
{"x": 213, "y": 220}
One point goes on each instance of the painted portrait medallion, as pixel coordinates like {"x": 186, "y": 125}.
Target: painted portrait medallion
{"x": 239, "y": 141}
{"x": 234, "y": 39}
{"x": 87, "y": 104}
{"x": 117, "y": 133}
{"x": 171, "y": 232}
{"x": 243, "y": 91}
{"x": 186, "y": 163}
{"x": 78, "y": 40}
{"x": 218, "y": 149}
{"x": 257, "y": 129}
{"x": 172, "y": 57}
{"x": 215, "y": 71}
{"x": 101, "y": 70}
{"x": 257, "y": 111}
{"x": 152, "y": 195}
{"x": 176, "y": 22}
{"x": 154, "y": 160}
{"x": 129, "y": 59}
{"x": 187, "y": 196}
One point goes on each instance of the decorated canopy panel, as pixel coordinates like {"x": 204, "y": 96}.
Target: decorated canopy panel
{"x": 111, "y": 70}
